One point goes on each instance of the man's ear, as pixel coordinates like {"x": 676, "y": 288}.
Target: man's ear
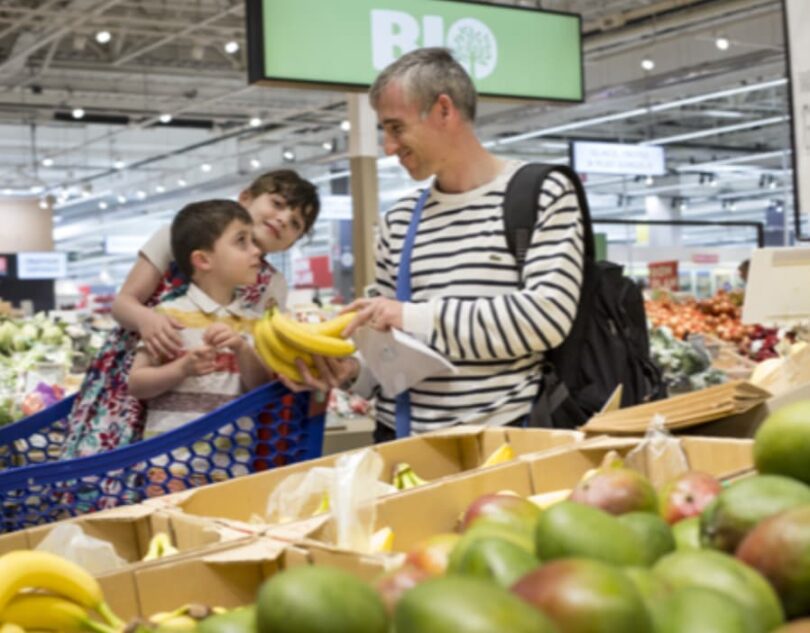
{"x": 446, "y": 107}
{"x": 201, "y": 260}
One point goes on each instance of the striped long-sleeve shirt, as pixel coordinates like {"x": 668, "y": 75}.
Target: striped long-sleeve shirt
{"x": 467, "y": 302}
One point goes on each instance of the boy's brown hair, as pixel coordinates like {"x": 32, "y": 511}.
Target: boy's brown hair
{"x": 199, "y": 225}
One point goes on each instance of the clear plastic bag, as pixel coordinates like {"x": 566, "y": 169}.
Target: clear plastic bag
{"x": 69, "y": 541}
{"x": 659, "y": 455}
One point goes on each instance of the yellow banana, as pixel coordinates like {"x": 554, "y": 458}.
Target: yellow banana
{"x": 332, "y": 327}
{"x": 10, "y": 627}
{"x": 160, "y": 545}
{"x": 52, "y": 613}
{"x": 323, "y": 506}
{"x": 301, "y": 337}
{"x": 405, "y": 477}
{"x": 22, "y": 569}
{"x": 278, "y": 347}
{"x": 275, "y": 363}
{"x": 177, "y": 623}
{"x": 504, "y": 453}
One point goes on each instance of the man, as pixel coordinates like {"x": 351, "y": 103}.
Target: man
{"x": 467, "y": 300}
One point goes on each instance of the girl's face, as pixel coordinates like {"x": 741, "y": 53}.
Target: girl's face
{"x": 276, "y": 226}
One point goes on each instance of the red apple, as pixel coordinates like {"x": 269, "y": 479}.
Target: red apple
{"x": 686, "y": 495}
{"x": 510, "y": 510}
{"x": 432, "y": 554}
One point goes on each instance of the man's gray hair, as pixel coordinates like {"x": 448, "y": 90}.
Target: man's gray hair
{"x": 426, "y": 73}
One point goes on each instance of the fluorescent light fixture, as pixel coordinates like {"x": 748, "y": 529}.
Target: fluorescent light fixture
{"x": 37, "y": 189}
{"x": 715, "y": 131}
{"x": 288, "y": 155}
{"x": 121, "y": 199}
{"x": 141, "y": 194}
{"x": 345, "y": 126}
{"x": 255, "y": 121}
{"x": 205, "y": 167}
{"x": 43, "y": 204}
{"x": 119, "y": 164}
{"x": 181, "y": 182}
{"x": 47, "y": 162}
{"x": 328, "y": 145}
{"x": 231, "y": 47}
{"x": 649, "y": 181}
{"x": 165, "y": 118}
{"x": 723, "y": 114}
{"x": 102, "y": 37}
{"x": 722, "y": 43}
{"x": 647, "y": 63}
{"x": 255, "y": 163}
{"x": 78, "y": 113}
{"x": 102, "y": 205}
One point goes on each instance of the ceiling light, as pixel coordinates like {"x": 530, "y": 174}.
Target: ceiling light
{"x": 47, "y": 162}
{"x": 121, "y": 199}
{"x": 119, "y": 164}
{"x": 683, "y": 205}
{"x": 43, "y": 204}
{"x": 647, "y": 63}
{"x": 345, "y": 126}
{"x": 232, "y": 47}
{"x": 7, "y": 192}
{"x": 722, "y": 43}
{"x": 255, "y": 163}
{"x": 159, "y": 188}
{"x": 255, "y": 121}
{"x": 141, "y": 194}
{"x": 649, "y": 181}
{"x": 165, "y": 118}
{"x": 78, "y": 113}
{"x": 717, "y": 130}
{"x": 288, "y": 155}
{"x": 732, "y": 206}
{"x": 329, "y": 145}
{"x": 102, "y": 37}
{"x": 37, "y": 189}
{"x": 181, "y": 182}
{"x": 206, "y": 167}
{"x": 102, "y": 205}
{"x": 773, "y": 184}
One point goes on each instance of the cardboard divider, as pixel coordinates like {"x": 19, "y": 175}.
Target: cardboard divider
{"x": 421, "y": 512}
{"x": 228, "y": 575}
{"x": 129, "y": 529}
{"x": 434, "y": 457}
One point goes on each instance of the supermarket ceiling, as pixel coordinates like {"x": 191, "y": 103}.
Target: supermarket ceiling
{"x": 122, "y": 109}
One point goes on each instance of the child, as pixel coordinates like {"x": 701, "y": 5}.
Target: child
{"x": 213, "y": 246}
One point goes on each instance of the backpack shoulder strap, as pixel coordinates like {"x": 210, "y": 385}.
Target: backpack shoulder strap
{"x": 520, "y": 208}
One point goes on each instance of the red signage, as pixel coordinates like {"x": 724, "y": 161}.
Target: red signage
{"x": 312, "y": 272}
{"x": 705, "y": 258}
{"x": 663, "y": 275}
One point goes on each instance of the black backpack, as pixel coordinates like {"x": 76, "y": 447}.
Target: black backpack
{"x": 608, "y": 343}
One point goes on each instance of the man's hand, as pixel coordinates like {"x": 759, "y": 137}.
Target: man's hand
{"x": 200, "y": 361}
{"x": 220, "y": 336}
{"x": 160, "y": 334}
{"x": 379, "y": 313}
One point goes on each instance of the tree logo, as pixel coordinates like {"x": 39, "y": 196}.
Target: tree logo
{"x": 475, "y": 47}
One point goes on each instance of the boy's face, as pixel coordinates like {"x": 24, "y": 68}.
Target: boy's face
{"x": 235, "y": 259}
{"x": 276, "y": 226}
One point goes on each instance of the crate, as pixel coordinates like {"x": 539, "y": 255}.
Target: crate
{"x": 265, "y": 428}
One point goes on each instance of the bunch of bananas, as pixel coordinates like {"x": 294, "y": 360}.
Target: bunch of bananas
{"x": 504, "y": 453}
{"x": 185, "y": 618}
{"x": 160, "y": 545}
{"x": 404, "y": 477}
{"x": 280, "y": 340}
{"x": 43, "y": 591}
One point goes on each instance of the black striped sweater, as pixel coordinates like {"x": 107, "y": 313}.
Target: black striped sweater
{"x": 466, "y": 303}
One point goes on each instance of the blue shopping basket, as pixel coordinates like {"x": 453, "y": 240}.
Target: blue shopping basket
{"x": 266, "y": 428}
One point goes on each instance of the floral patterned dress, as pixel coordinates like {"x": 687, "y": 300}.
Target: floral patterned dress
{"x": 104, "y": 416}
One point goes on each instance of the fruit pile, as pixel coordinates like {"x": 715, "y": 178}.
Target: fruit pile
{"x": 281, "y": 341}
{"x": 613, "y": 554}
{"x": 718, "y": 316}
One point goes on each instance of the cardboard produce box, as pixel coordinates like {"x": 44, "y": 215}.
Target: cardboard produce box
{"x": 421, "y": 512}
{"x": 434, "y": 457}
{"x": 129, "y": 530}
{"x": 228, "y": 575}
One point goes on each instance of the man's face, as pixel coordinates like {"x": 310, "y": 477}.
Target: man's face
{"x": 415, "y": 139}
{"x": 235, "y": 258}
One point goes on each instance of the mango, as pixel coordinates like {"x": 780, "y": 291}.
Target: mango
{"x": 650, "y": 587}
{"x": 692, "y": 609}
{"x": 454, "y": 604}
{"x": 585, "y": 596}
{"x": 738, "y": 508}
{"x": 779, "y": 548}
{"x": 495, "y": 559}
{"x": 687, "y": 533}
{"x": 241, "y": 620}
{"x": 709, "y": 569}
{"x": 654, "y": 534}
{"x": 782, "y": 442}
{"x": 573, "y": 529}
{"x": 616, "y": 491}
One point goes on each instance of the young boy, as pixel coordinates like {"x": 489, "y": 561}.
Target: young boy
{"x": 213, "y": 246}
